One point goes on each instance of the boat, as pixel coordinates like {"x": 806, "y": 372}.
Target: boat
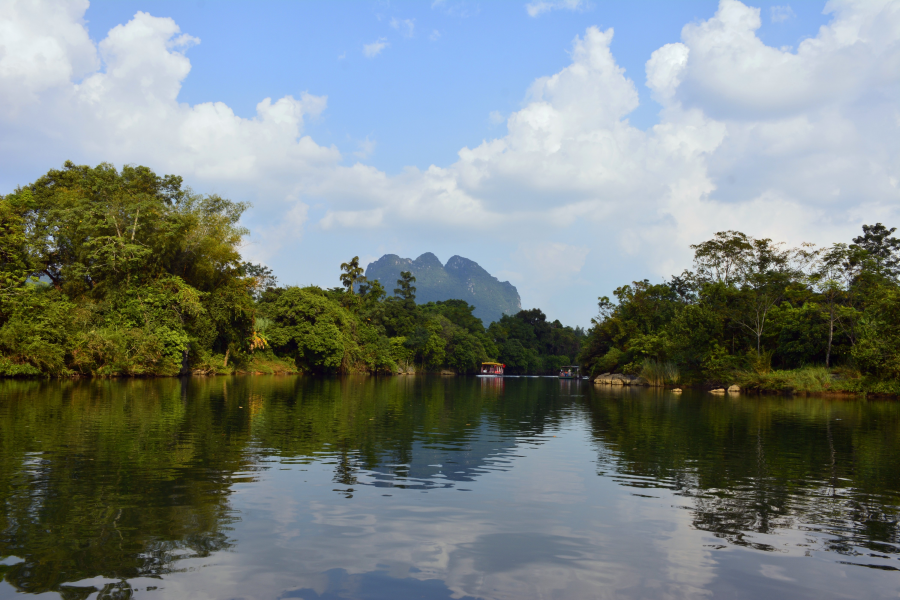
{"x": 491, "y": 369}
{"x": 569, "y": 372}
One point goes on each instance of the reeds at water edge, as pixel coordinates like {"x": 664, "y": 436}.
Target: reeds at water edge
{"x": 660, "y": 372}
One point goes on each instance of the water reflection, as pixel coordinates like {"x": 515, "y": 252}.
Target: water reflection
{"x": 350, "y": 488}
{"x": 759, "y": 467}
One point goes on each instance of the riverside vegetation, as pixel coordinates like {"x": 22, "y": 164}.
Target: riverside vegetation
{"x": 756, "y": 313}
{"x": 126, "y": 273}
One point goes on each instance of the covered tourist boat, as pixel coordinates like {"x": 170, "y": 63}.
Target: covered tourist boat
{"x": 570, "y": 372}
{"x": 492, "y": 369}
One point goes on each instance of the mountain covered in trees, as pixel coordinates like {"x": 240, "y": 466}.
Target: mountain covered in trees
{"x": 459, "y": 279}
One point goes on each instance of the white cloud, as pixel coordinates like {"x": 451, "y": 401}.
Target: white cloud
{"x": 374, "y": 49}
{"x": 552, "y": 261}
{"x": 406, "y": 27}
{"x": 365, "y": 148}
{"x": 800, "y": 146}
{"x": 496, "y": 117}
{"x": 666, "y": 68}
{"x": 35, "y": 60}
{"x": 129, "y": 112}
{"x": 353, "y": 219}
{"x": 780, "y": 14}
{"x": 541, "y": 6}
{"x": 435, "y": 35}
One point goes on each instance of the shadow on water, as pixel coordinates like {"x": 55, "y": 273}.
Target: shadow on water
{"x": 105, "y": 481}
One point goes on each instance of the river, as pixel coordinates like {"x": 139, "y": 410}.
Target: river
{"x": 455, "y": 487}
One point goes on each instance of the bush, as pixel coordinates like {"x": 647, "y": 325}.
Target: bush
{"x": 719, "y": 366}
{"x": 608, "y": 362}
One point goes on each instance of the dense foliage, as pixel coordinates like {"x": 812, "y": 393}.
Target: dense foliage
{"x": 367, "y": 331}
{"x": 110, "y": 272}
{"x": 107, "y": 272}
{"x": 754, "y": 305}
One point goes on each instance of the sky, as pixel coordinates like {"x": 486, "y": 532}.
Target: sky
{"x": 568, "y": 146}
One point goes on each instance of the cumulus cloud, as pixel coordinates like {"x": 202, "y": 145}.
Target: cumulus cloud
{"x": 799, "y": 145}
{"x": 34, "y": 60}
{"x": 374, "y": 49}
{"x": 541, "y": 6}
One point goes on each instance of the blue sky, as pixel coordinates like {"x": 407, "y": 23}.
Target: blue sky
{"x": 567, "y": 146}
{"x": 420, "y": 100}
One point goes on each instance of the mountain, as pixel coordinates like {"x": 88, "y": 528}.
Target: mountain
{"x": 459, "y": 279}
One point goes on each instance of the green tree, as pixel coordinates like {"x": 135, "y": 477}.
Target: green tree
{"x": 405, "y": 289}
{"x": 458, "y": 312}
{"x": 352, "y": 274}
{"x": 829, "y": 279}
{"x": 723, "y": 258}
{"x": 765, "y": 272}
{"x": 151, "y": 273}
{"x": 882, "y": 247}
{"x": 15, "y": 267}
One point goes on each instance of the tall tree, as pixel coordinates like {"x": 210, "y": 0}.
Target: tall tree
{"x": 722, "y": 258}
{"x": 372, "y": 290}
{"x": 765, "y": 274}
{"x": 406, "y": 290}
{"x": 883, "y": 248}
{"x": 828, "y": 278}
{"x": 14, "y": 259}
{"x": 352, "y": 274}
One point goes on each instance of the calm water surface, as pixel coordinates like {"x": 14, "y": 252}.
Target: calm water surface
{"x": 292, "y": 487}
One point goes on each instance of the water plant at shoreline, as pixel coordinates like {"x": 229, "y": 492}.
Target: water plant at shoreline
{"x": 660, "y": 373}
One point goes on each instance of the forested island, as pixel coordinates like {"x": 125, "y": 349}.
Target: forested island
{"x": 107, "y": 272}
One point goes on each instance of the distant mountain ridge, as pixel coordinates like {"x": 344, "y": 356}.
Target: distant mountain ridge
{"x": 459, "y": 279}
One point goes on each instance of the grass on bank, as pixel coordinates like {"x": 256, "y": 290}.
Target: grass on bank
{"x": 813, "y": 379}
{"x": 660, "y": 373}
{"x": 260, "y": 363}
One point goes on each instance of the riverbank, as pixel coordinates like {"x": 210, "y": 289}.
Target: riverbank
{"x": 818, "y": 380}
{"x": 215, "y": 365}
{"x": 813, "y": 381}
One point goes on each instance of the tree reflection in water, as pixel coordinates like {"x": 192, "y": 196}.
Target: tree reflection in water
{"x": 758, "y": 466}
{"x": 102, "y": 482}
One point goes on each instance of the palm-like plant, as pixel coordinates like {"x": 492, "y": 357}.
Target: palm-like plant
{"x": 352, "y": 274}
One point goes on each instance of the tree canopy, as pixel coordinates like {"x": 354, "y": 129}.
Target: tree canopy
{"x": 755, "y": 305}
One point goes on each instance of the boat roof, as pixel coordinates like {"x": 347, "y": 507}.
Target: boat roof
{"x": 490, "y": 363}
{"x": 571, "y": 367}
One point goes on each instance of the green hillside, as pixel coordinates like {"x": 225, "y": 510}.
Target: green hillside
{"x": 460, "y": 278}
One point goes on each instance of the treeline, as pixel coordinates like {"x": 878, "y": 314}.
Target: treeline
{"x": 126, "y": 273}
{"x": 359, "y": 327}
{"x": 751, "y": 307}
